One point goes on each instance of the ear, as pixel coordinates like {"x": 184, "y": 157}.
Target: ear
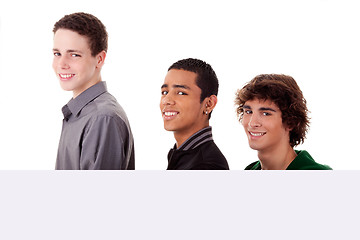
{"x": 100, "y": 58}
{"x": 210, "y": 103}
{"x": 288, "y": 128}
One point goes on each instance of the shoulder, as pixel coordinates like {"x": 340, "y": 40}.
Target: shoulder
{"x": 211, "y": 151}
{"x": 211, "y": 157}
{"x": 304, "y": 161}
{"x": 254, "y": 166}
{"x": 106, "y": 106}
{"x": 107, "y": 116}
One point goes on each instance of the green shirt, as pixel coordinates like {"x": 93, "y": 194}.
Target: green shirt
{"x": 303, "y": 161}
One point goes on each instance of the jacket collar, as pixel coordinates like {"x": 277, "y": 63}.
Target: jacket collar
{"x": 198, "y": 138}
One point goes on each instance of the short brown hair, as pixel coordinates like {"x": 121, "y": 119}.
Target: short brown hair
{"x": 286, "y": 94}
{"x": 86, "y": 25}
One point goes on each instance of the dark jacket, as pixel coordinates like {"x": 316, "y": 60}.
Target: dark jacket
{"x": 199, "y": 152}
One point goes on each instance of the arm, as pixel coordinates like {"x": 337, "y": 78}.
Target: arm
{"x": 105, "y": 144}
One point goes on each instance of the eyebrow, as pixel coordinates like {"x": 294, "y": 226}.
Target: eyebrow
{"x": 267, "y": 109}
{"x": 261, "y": 109}
{"x": 176, "y": 86}
{"x": 68, "y": 51}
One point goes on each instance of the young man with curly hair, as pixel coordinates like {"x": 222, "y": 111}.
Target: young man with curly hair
{"x": 96, "y": 133}
{"x": 189, "y": 95}
{"x": 273, "y": 112}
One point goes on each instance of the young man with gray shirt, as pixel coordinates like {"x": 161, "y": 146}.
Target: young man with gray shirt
{"x": 96, "y": 133}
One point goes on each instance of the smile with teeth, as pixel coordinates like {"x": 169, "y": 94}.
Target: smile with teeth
{"x": 256, "y": 134}
{"x": 66, "y": 76}
{"x": 170, "y": 115}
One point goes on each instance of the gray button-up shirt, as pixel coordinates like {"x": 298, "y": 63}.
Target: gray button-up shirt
{"x": 96, "y": 133}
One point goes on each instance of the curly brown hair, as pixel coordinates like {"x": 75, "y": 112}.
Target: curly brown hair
{"x": 87, "y": 25}
{"x": 286, "y": 94}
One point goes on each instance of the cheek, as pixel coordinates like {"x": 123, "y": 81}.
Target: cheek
{"x": 54, "y": 64}
{"x": 278, "y": 130}
{"x": 84, "y": 70}
{"x": 244, "y": 121}
{"x": 162, "y": 101}
{"x": 192, "y": 110}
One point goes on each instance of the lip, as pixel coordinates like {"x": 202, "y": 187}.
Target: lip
{"x": 169, "y": 114}
{"x": 256, "y": 135}
{"x": 65, "y": 76}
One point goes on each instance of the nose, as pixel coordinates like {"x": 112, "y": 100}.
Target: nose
{"x": 167, "y": 100}
{"x": 254, "y": 121}
{"x": 62, "y": 63}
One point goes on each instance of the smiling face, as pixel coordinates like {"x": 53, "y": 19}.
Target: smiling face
{"x": 73, "y": 63}
{"x": 180, "y": 104}
{"x": 263, "y": 126}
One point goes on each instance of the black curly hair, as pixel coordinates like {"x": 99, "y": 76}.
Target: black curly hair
{"x": 206, "y": 78}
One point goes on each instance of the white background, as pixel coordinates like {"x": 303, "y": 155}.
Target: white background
{"x": 316, "y": 42}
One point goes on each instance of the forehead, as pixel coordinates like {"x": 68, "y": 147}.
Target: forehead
{"x": 180, "y": 77}
{"x": 261, "y": 103}
{"x": 65, "y": 39}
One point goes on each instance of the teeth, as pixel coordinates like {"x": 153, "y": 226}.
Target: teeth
{"x": 170, "y": 113}
{"x": 256, "y": 134}
{"x": 66, "y": 75}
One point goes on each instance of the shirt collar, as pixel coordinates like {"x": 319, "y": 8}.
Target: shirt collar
{"x": 75, "y": 105}
{"x": 198, "y": 138}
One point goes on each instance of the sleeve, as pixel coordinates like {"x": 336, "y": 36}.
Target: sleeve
{"x": 105, "y": 145}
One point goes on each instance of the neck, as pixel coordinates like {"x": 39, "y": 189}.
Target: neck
{"x": 91, "y": 83}
{"x": 278, "y": 159}
{"x": 182, "y": 136}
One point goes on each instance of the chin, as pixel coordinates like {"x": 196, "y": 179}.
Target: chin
{"x": 167, "y": 128}
{"x": 254, "y": 147}
{"x": 66, "y": 87}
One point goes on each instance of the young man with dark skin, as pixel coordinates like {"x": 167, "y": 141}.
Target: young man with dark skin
{"x": 96, "y": 133}
{"x": 189, "y": 95}
{"x": 273, "y": 112}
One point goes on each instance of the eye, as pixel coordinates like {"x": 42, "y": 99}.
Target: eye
{"x": 266, "y": 114}
{"x": 248, "y": 112}
{"x": 75, "y": 55}
{"x": 164, "y": 92}
{"x": 182, "y": 93}
{"x": 57, "y": 54}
